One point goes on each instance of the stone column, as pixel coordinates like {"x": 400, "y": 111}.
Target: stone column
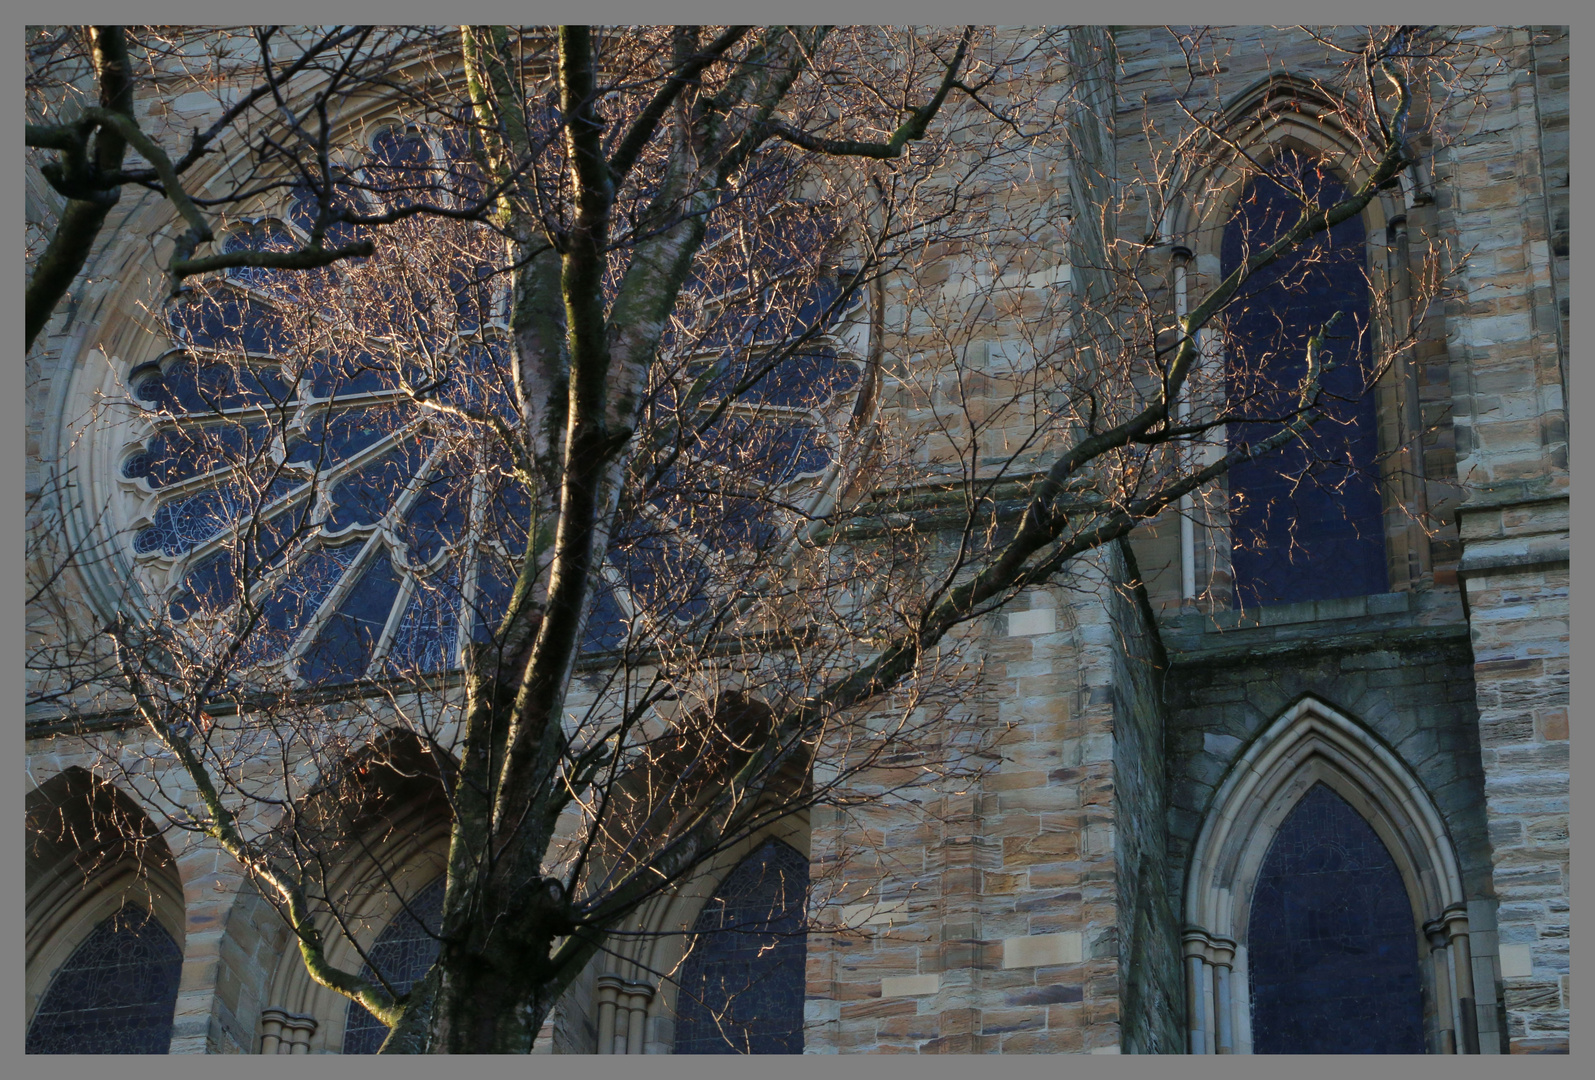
{"x": 271, "y": 1021}
{"x": 609, "y": 989}
{"x": 1408, "y": 390}
{"x": 1222, "y": 956}
{"x": 297, "y": 1030}
{"x": 622, "y": 1025}
{"x": 1456, "y": 932}
{"x": 283, "y": 1032}
{"x": 1445, "y": 1035}
{"x": 1198, "y": 995}
{"x": 638, "y": 995}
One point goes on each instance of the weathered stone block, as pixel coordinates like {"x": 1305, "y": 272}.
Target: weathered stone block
{"x": 1041, "y": 949}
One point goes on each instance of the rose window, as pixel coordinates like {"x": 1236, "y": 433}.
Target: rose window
{"x": 332, "y": 446}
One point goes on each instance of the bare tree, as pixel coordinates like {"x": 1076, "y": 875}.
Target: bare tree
{"x": 281, "y": 89}
{"x": 642, "y": 481}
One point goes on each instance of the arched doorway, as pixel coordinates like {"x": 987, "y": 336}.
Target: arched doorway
{"x": 1321, "y": 876}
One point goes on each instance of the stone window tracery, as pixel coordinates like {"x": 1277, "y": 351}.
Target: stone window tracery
{"x": 116, "y": 994}
{"x": 1306, "y": 519}
{"x": 742, "y": 988}
{"x": 286, "y": 439}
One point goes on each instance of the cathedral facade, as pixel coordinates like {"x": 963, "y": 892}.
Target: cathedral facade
{"x": 1241, "y": 803}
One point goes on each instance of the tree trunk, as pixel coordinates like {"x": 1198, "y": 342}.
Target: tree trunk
{"x": 486, "y": 1006}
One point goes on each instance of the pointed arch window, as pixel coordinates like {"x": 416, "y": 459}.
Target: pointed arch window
{"x": 404, "y": 951}
{"x": 116, "y": 994}
{"x": 742, "y": 986}
{"x": 1323, "y": 874}
{"x": 1334, "y": 956}
{"x": 1306, "y": 520}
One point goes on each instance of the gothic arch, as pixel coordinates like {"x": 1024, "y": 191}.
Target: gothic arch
{"x": 92, "y": 852}
{"x": 1313, "y": 743}
{"x": 401, "y": 850}
{"x": 1288, "y": 113}
{"x": 1284, "y": 111}
{"x": 636, "y": 993}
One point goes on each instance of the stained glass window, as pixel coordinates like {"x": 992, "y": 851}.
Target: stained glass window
{"x": 287, "y": 439}
{"x": 1333, "y": 949}
{"x": 116, "y": 994}
{"x": 1306, "y": 519}
{"x": 743, "y": 983}
{"x": 404, "y": 951}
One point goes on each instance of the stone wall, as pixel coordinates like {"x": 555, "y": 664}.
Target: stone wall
{"x": 1150, "y": 980}
{"x": 989, "y": 921}
{"x": 1516, "y": 573}
{"x": 1504, "y": 199}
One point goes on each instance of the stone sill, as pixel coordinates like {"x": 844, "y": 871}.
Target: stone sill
{"x": 1355, "y": 622}
{"x": 1309, "y": 611}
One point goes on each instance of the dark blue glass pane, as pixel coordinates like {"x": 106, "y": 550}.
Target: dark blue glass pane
{"x": 194, "y": 384}
{"x": 804, "y": 381}
{"x": 424, "y": 639}
{"x": 745, "y": 524}
{"x": 275, "y": 537}
{"x": 824, "y": 295}
{"x": 209, "y": 586}
{"x": 115, "y": 995}
{"x": 606, "y": 624}
{"x": 666, "y": 578}
{"x": 350, "y": 372}
{"x": 401, "y": 169}
{"x": 765, "y": 451}
{"x": 473, "y": 296}
{"x": 742, "y": 986}
{"x": 508, "y": 513}
{"x": 294, "y": 601}
{"x": 305, "y": 206}
{"x": 343, "y": 648}
{"x": 367, "y": 494}
{"x": 327, "y": 442}
{"x": 437, "y": 516}
{"x": 480, "y": 378}
{"x": 181, "y": 454}
{"x": 228, "y": 323}
{"x": 1306, "y": 519}
{"x": 1333, "y": 949}
{"x": 265, "y": 236}
{"x": 403, "y": 953}
{"x": 495, "y": 584}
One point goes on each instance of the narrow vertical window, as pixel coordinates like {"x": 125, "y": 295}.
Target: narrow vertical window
{"x": 742, "y": 986}
{"x": 1333, "y": 947}
{"x": 1306, "y": 520}
{"x": 405, "y": 951}
{"x": 116, "y": 994}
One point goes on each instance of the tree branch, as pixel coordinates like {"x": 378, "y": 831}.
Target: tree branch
{"x": 910, "y": 130}
{"x": 643, "y": 127}
{"x": 80, "y": 221}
